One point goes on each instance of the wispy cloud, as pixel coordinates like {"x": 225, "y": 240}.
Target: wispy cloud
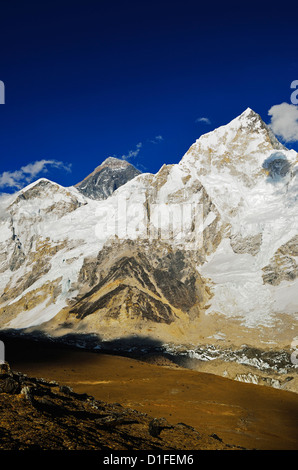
{"x": 26, "y": 174}
{"x": 284, "y": 121}
{"x": 135, "y": 152}
{"x": 203, "y": 119}
{"x": 156, "y": 140}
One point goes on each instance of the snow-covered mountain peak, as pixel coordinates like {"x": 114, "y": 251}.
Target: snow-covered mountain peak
{"x": 252, "y": 122}
{"x": 248, "y": 116}
{"x": 245, "y": 134}
{"x": 43, "y": 198}
{"x": 44, "y": 188}
{"x": 238, "y": 149}
{"x": 39, "y": 183}
{"x": 114, "y": 162}
{"x": 110, "y": 162}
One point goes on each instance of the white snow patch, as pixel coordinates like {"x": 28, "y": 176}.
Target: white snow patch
{"x": 36, "y": 316}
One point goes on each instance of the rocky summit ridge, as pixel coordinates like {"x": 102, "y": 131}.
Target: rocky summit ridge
{"x": 199, "y": 258}
{"x": 106, "y": 178}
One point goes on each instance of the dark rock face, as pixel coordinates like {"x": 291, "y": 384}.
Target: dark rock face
{"x": 106, "y": 178}
{"x": 9, "y": 385}
{"x": 147, "y": 286}
{"x": 277, "y": 165}
{"x": 157, "y": 425}
{"x": 283, "y": 265}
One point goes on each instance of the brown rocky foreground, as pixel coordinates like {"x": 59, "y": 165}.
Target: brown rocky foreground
{"x": 217, "y": 413}
{"x": 42, "y": 415}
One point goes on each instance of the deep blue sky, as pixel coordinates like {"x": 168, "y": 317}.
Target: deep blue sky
{"x": 88, "y": 79}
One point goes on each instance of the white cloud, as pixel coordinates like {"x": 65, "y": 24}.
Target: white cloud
{"x": 203, "y": 119}
{"x": 157, "y": 139}
{"x": 11, "y": 179}
{"x": 133, "y": 153}
{"x": 26, "y": 174}
{"x": 284, "y": 121}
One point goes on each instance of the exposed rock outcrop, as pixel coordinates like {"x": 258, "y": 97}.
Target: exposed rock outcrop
{"x": 106, "y": 178}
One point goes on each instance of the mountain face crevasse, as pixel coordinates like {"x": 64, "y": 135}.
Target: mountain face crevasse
{"x": 200, "y": 258}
